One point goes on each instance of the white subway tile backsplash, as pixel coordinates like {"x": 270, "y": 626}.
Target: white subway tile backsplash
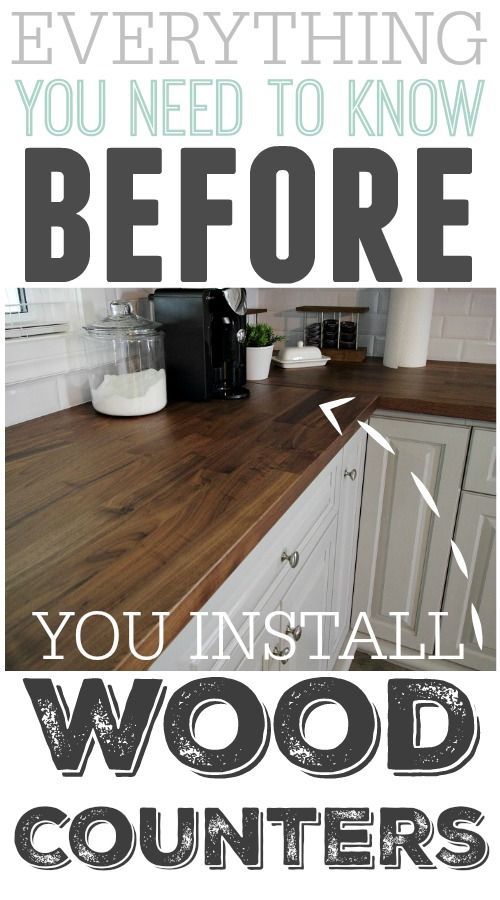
{"x": 31, "y": 399}
{"x": 452, "y": 302}
{"x": 372, "y": 324}
{"x": 463, "y": 325}
{"x": 377, "y": 299}
{"x": 437, "y": 326}
{"x": 378, "y": 346}
{"x": 472, "y": 327}
{"x": 463, "y": 329}
{"x": 38, "y": 397}
{"x": 383, "y": 303}
{"x": 73, "y": 389}
{"x": 48, "y": 373}
{"x": 479, "y": 352}
{"x": 483, "y": 303}
{"x": 445, "y": 349}
{"x": 368, "y": 342}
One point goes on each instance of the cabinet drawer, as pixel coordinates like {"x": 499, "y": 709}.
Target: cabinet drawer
{"x": 307, "y": 591}
{"x": 480, "y": 475}
{"x": 249, "y": 586}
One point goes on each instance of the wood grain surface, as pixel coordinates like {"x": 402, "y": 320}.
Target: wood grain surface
{"x": 154, "y": 513}
{"x": 461, "y": 390}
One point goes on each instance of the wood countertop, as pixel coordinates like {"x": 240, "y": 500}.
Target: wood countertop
{"x": 459, "y": 390}
{"x": 154, "y": 513}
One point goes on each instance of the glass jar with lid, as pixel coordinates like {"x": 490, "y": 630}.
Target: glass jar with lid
{"x": 126, "y": 363}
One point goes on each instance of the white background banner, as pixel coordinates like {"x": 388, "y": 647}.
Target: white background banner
{"x": 164, "y": 783}
{"x": 263, "y": 50}
{"x": 410, "y": 86}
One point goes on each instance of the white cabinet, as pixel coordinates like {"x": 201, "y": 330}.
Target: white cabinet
{"x": 259, "y": 663}
{"x": 475, "y": 535}
{"x": 400, "y": 563}
{"x": 312, "y": 592}
{"x": 261, "y": 581}
{"x": 481, "y": 465}
{"x": 304, "y": 564}
{"x": 326, "y": 581}
{"x": 403, "y": 549}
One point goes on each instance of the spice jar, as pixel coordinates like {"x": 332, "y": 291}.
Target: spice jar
{"x": 126, "y": 363}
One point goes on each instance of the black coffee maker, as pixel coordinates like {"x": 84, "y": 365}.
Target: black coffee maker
{"x": 205, "y": 342}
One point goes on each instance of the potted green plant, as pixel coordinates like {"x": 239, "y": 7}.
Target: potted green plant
{"x": 260, "y": 340}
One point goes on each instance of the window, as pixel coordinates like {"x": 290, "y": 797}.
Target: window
{"x": 45, "y": 360}
{"x": 33, "y": 313}
{"x": 15, "y": 301}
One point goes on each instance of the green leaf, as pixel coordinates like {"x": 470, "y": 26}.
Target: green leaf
{"x": 261, "y": 335}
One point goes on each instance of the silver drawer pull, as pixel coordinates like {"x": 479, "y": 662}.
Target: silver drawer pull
{"x": 282, "y": 653}
{"x": 293, "y": 558}
{"x": 350, "y": 474}
{"x": 295, "y": 633}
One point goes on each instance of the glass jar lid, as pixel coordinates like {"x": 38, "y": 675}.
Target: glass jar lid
{"x": 122, "y": 322}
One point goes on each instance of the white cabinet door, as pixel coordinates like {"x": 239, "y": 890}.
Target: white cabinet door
{"x": 312, "y": 591}
{"x": 353, "y": 464}
{"x": 403, "y": 547}
{"x": 475, "y": 536}
{"x": 481, "y": 466}
{"x": 253, "y": 586}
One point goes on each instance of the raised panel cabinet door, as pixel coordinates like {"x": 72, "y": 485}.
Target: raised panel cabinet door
{"x": 481, "y": 471}
{"x": 476, "y": 536}
{"x": 352, "y": 471}
{"x": 403, "y": 548}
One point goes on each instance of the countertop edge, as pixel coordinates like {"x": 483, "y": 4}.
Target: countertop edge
{"x": 200, "y": 592}
{"x": 234, "y": 556}
{"x": 220, "y": 571}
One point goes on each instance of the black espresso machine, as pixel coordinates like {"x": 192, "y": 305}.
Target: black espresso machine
{"x": 204, "y": 342}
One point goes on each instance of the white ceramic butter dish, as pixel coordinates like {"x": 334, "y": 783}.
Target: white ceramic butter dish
{"x": 300, "y": 357}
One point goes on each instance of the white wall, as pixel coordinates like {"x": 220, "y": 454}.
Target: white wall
{"x": 281, "y": 304}
{"x": 463, "y": 324}
{"x": 46, "y": 374}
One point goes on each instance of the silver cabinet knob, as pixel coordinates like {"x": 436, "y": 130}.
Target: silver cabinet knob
{"x": 350, "y": 474}
{"x": 293, "y": 558}
{"x": 295, "y": 633}
{"x": 282, "y": 653}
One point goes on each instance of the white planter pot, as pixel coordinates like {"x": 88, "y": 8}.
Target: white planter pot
{"x": 258, "y": 362}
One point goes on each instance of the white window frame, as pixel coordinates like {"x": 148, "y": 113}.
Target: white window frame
{"x": 60, "y": 315}
{"x": 51, "y": 352}
{"x": 15, "y": 296}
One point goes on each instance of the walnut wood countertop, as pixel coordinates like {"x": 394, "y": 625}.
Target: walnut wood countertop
{"x": 461, "y": 390}
{"x": 154, "y": 513}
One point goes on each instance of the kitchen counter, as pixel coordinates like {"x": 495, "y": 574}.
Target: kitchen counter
{"x": 459, "y": 390}
{"x": 154, "y": 513}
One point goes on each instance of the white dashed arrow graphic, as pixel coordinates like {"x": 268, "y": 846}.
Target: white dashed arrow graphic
{"x": 372, "y": 432}
{"x": 326, "y": 408}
